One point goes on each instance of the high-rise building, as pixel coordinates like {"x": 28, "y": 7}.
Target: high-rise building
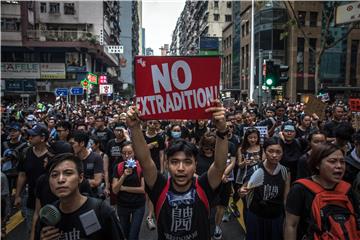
{"x": 290, "y": 45}
{"x": 199, "y": 19}
{"x": 55, "y": 44}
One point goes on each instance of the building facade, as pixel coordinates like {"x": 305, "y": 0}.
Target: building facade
{"x": 286, "y": 44}
{"x": 49, "y": 45}
{"x": 199, "y": 19}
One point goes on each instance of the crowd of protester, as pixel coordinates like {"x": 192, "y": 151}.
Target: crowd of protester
{"x": 103, "y": 157}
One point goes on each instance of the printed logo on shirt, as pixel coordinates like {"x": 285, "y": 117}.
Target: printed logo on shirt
{"x": 73, "y": 235}
{"x": 115, "y": 151}
{"x": 181, "y": 210}
{"x": 270, "y": 191}
{"x": 90, "y": 166}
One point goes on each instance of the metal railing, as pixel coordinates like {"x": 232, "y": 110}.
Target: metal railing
{"x": 62, "y": 36}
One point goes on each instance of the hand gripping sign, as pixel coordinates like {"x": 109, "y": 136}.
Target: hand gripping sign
{"x": 176, "y": 87}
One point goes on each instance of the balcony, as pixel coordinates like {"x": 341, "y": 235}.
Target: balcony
{"x": 62, "y": 36}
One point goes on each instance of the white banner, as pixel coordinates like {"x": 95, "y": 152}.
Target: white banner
{"x": 20, "y": 70}
{"x": 52, "y": 71}
{"x": 105, "y": 89}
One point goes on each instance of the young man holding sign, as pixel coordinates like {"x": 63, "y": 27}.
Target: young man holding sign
{"x": 182, "y": 201}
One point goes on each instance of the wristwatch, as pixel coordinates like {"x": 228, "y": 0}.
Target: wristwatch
{"x": 222, "y": 134}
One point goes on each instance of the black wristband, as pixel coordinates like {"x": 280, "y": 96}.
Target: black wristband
{"x": 222, "y": 134}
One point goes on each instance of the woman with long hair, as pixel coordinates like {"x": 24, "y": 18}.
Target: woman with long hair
{"x": 266, "y": 191}
{"x": 249, "y": 154}
{"x": 128, "y": 183}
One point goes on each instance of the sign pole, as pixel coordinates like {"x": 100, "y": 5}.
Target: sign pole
{"x": 76, "y": 102}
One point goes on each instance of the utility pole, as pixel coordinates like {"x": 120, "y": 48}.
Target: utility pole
{"x": 260, "y": 73}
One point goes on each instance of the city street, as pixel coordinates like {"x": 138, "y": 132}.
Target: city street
{"x": 231, "y": 230}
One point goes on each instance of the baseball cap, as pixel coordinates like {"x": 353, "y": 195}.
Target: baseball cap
{"x": 15, "y": 126}
{"x": 38, "y": 130}
{"x": 31, "y": 118}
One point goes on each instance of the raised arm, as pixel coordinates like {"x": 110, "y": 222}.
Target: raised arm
{"x": 217, "y": 169}
{"x": 141, "y": 148}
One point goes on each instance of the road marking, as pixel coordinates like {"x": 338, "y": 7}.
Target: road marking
{"x": 14, "y": 221}
{"x": 240, "y": 219}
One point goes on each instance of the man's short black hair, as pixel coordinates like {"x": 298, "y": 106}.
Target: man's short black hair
{"x": 56, "y": 160}
{"x": 64, "y": 124}
{"x": 181, "y": 145}
{"x": 80, "y": 136}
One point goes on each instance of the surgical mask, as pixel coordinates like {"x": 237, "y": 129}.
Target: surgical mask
{"x": 175, "y": 135}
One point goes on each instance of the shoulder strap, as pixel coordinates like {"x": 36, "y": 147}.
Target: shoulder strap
{"x": 20, "y": 146}
{"x": 311, "y": 185}
{"x": 120, "y": 168}
{"x": 138, "y": 170}
{"x": 161, "y": 199}
{"x": 202, "y": 195}
{"x": 350, "y": 160}
{"x": 343, "y": 187}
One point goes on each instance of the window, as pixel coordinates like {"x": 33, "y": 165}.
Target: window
{"x": 10, "y": 24}
{"x": 216, "y": 4}
{"x": 43, "y": 7}
{"x": 54, "y": 8}
{"x": 247, "y": 28}
{"x": 313, "y": 19}
{"x": 69, "y": 8}
{"x": 216, "y": 17}
{"x": 227, "y": 18}
{"x": 302, "y": 16}
{"x": 243, "y": 30}
{"x": 228, "y": 4}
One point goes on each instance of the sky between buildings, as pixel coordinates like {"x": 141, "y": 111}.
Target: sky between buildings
{"x": 159, "y": 21}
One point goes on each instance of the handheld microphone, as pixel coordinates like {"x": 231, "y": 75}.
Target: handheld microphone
{"x": 49, "y": 215}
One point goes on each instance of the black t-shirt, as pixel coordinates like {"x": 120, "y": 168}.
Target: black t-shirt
{"x": 113, "y": 150}
{"x": 303, "y": 169}
{"x": 33, "y": 167}
{"x": 71, "y": 227}
{"x": 92, "y": 164}
{"x": 203, "y": 163}
{"x": 155, "y": 152}
{"x": 235, "y": 139}
{"x": 126, "y": 199}
{"x": 299, "y": 202}
{"x": 183, "y": 215}
{"x": 291, "y": 154}
{"x": 267, "y": 200}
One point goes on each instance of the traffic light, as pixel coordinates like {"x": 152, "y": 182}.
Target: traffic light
{"x": 270, "y": 75}
{"x": 282, "y": 75}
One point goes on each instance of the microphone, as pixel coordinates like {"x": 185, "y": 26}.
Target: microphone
{"x": 49, "y": 215}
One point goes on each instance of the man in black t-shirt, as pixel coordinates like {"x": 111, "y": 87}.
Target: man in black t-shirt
{"x": 30, "y": 168}
{"x": 181, "y": 209}
{"x": 329, "y": 127}
{"x": 81, "y": 217}
{"x": 92, "y": 161}
{"x": 102, "y": 132}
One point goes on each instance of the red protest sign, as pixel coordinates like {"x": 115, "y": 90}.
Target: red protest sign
{"x": 176, "y": 87}
{"x": 354, "y": 104}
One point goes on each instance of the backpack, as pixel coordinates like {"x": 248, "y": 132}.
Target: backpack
{"x": 333, "y": 214}
{"x": 199, "y": 190}
{"x": 16, "y": 155}
{"x": 120, "y": 169}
